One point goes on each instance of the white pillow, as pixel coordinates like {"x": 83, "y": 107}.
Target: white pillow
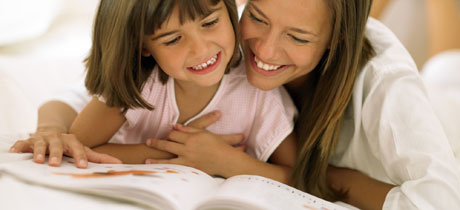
{"x": 22, "y": 20}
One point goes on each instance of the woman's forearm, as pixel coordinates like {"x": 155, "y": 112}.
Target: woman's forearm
{"x": 361, "y": 190}
{"x": 55, "y": 116}
{"x": 132, "y": 153}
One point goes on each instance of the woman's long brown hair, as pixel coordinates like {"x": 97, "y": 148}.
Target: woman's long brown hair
{"x": 321, "y": 110}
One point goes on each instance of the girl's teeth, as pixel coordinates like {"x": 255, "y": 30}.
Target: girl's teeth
{"x": 264, "y": 66}
{"x": 205, "y": 64}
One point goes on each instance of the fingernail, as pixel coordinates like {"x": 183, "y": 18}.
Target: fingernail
{"x": 12, "y": 149}
{"x": 149, "y": 141}
{"x": 148, "y": 162}
{"x": 54, "y": 160}
{"x": 39, "y": 157}
{"x": 82, "y": 163}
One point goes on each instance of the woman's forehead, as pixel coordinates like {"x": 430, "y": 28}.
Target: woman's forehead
{"x": 311, "y": 15}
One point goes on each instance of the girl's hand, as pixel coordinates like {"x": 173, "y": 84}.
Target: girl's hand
{"x": 56, "y": 144}
{"x": 197, "y": 147}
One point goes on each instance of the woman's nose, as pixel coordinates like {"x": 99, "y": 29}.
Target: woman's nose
{"x": 267, "y": 47}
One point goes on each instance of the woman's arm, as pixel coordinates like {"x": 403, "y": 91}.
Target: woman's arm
{"x": 361, "y": 190}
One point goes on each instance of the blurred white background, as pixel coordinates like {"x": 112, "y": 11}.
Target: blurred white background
{"x": 43, "y": 43}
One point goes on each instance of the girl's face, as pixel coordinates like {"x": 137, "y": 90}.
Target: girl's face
{"x": 195, "y": 52}
{"x": 283, "y": 40}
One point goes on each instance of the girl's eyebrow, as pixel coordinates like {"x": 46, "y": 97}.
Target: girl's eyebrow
{"x": 164, "y": 34}
{"x": 211, "y": 11}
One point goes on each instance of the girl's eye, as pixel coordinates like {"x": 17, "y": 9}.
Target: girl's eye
{"x": 301, "y": 41}
{"x": 211, "y": 23}
{"x": 175, "y": 40}
{"x": 253, "y": 17}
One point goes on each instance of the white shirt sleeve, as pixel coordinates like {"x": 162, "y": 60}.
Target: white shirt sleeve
{"x": 407, "y": 138}
{"x": 392, "y": 134}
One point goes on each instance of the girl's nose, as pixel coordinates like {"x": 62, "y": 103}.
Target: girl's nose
{"x": 198, "y": 46}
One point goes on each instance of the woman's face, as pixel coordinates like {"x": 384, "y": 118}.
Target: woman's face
{"x": 283, "y": 40}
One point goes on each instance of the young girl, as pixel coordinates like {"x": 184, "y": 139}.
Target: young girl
{"x": 154, "y": 64}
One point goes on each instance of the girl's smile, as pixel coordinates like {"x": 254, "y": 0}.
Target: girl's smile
{"x": 207, "y": 66}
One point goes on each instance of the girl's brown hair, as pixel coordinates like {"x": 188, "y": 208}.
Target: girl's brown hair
{"x": 321, "y": 110}
{"x": 116, "y": 70}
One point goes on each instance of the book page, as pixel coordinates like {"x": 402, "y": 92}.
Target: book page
{"x": 256, "y": 192}
{"x": 159, "y": 186}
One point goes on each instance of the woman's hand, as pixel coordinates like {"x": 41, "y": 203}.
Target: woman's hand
{"x": 197, "y": 147}
{"x": 56, "y": 143}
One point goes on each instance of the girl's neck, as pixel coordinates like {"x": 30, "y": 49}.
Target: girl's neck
{"x": 191, "y": 99}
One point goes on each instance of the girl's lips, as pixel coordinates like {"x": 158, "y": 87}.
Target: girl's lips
{"x": 262, "y": 71}
{"x": 209, "y": 68}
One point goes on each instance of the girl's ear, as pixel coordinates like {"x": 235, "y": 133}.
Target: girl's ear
{"x": 145, "y": 52}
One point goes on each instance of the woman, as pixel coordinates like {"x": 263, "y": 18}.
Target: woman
{"x": 362, "y": 106}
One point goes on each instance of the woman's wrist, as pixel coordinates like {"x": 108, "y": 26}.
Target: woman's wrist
{"x": 360, "y": 190}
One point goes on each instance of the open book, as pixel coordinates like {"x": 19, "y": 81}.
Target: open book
{"x": 165, "y": 186}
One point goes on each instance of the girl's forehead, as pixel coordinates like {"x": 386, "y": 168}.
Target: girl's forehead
{"x": 182, "y": 13}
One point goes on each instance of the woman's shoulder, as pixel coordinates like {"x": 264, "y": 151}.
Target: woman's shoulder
{"x": 391, "y": 57}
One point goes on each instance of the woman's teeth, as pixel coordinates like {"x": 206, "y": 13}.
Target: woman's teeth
{"x": 211, "y": 61}
{"x": 264, "y": 66}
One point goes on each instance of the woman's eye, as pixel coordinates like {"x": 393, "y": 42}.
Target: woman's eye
{"x": 211, "y": 23}
{"x": 252, "y": 16}
{"x": 175, "y": 40}
{"x": 301, "y": 41}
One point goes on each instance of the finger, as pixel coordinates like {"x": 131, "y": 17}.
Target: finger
{"x": 20, "y": 146}
{"x": 206, "y": 120}
{"x": 97, "y": 157}
{"x": 186, "y": 129}
{"x": 76, "y": 149}
{"x": 39, "y": 147}
{"x": 55, "y": 149}
{"x": 178, "y": 136}
{"x": 167, "y": 146}
{"x": 232, "y": 139}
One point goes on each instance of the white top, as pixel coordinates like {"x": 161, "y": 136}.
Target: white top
{"x": 245, "y": 110}
{"x": 392, "y": 133}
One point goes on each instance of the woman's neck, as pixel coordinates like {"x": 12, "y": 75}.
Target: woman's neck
{"x": 191, "y": 99}
{"x": 297, "y": 86}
